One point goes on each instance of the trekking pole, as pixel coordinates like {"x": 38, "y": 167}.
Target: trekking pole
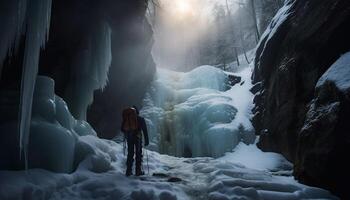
{"x": 144, "y": 150}
{"x": 147, "y": 161}
{"x": 124, "y": 145}
{"x": 142, "y": 167}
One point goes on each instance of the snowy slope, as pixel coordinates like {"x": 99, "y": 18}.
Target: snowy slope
{"x": 234, "y": 67}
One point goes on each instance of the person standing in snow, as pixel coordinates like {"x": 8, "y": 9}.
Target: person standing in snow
{"x": 133, "y": 126}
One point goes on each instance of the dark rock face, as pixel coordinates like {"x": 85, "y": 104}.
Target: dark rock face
{"x": 233, "y": 80}
{"x": 9, "y": 101}
{"x": 324, "y": 142}
{"x": 288, "y": 65}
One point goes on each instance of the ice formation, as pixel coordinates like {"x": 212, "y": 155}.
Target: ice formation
{"x": 92, "y": 64}
{"x": 54, "y": 140}
{"x": 37, "y": 26}
{"x": 193, "y": 114}
{"x": 31, "y": 18}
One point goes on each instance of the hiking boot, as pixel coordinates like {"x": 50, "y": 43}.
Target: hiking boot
{"x": 139, "y": 173}
{"x": 128, "y": 173}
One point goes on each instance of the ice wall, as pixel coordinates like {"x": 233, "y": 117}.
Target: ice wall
{"x": 193, "y": 114}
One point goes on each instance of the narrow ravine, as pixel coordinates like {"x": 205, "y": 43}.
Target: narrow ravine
{"x": 244, "y": 172}
{"x": 228, "y": 100}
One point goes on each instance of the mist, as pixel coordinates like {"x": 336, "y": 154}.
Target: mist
{"x": 181, "y": 28}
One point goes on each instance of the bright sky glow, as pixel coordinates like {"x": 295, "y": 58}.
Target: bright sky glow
{"x": 183, "y": 7}
{"x": 180, "y": 26}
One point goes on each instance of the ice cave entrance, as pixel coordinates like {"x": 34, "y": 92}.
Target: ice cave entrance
{"x": 204, "y": 112}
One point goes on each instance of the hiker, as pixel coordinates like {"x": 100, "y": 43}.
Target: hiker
{"x": 133, "y": 126}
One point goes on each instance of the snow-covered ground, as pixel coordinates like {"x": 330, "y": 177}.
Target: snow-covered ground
{"x": 244, "y": 61}
{"x": 243, "y": 174}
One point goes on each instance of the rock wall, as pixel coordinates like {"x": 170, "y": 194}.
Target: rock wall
{"x": 292, "y": 55}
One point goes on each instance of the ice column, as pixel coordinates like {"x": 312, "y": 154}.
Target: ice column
{"x": 37, "y": 26}
{"x": 91, "y": 67}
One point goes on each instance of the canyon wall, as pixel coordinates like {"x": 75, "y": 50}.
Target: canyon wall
{"x": 307, "y": 124}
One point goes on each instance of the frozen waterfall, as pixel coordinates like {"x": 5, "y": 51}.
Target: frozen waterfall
{"x": 198, "y": 113}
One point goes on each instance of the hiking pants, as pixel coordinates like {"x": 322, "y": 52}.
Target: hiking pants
{"x": 134, "y": 147}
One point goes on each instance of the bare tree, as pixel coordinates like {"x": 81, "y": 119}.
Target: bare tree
{"x": 255, "y": 19}
{"x": 242, "y": 46}
{"x": 234, "y": 49}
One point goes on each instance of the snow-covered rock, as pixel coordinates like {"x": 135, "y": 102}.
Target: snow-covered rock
{"x": 193, "y": 114}
{"x": 327, "y": 125}
{"x": 338, "y": 73}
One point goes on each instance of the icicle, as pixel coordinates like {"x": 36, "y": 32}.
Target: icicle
{"x": 37, "y": 27}
{"x": 12, "y": 15}
{"x": 92, "y": 65}
{"x": 103, "y": 60}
